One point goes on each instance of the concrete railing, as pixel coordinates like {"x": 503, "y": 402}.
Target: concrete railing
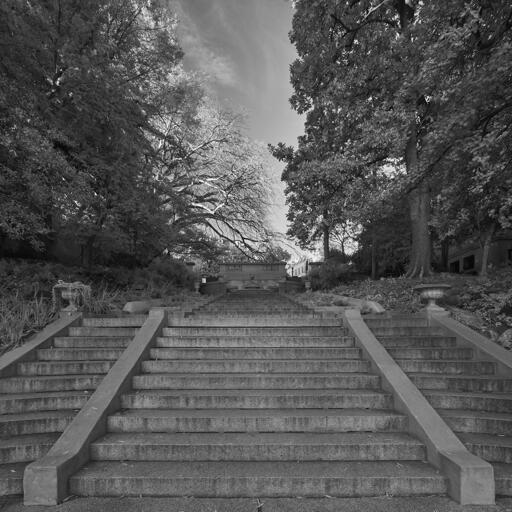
{"x": 28, "y": 351}
{"x": 45, "y": 481}
{"x": 471, "y": 479}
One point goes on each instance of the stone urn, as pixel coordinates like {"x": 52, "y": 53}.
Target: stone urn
{"x": 432, "y": 292}
{"x": 75, "y": 294}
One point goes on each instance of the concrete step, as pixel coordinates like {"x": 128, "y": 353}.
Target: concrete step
{"x": 11, "y": 479}
{"x": 489, "y": 447}
{"x": 26, "y": 448}
{"x": 258, "y": 447}
{"x": 35, "y": 422}
{"x": 256, "y": 353}
{"x": 20, "y": 403}
{"x": 503, "y": 479}
{"x": 472, "y": 401}
{"x": 91, "y": 342}
{"x": 397, "y": 322}
{"x": 256, "y": 381}
{"x": 257, "y": 479}
{"x": 256, "y": 365}
{"x": 476, "y": 383}
{"x": 295, "y": 332}
{"x": 122, "y": 321}
{"x": 104, "y": 331}
{"x": 418, "y": 341}
{"x": 256, "y": 420}
{"x": 408, "y": 331}
{"x": 256, "y": 321}
{"x": 49, "y": 383}
{"x": 257, "y": 399}
{"x": 82, "y": 354}
{"x": 64, "y": 367}
{"x": 447, "y": 367}
{"x": 477, "y": 422}
{"x": 431, "y": 353}
{"x": 255, "y": 341}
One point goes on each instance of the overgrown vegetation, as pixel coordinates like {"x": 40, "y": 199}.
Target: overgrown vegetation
{"x": 26, "y": 291}
{"x": 484, "y": 304}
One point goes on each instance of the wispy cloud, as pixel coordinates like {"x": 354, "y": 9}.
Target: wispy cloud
{"x": 200, "y": 54}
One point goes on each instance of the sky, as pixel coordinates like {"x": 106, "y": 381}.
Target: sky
{"x": 242, "y": 47}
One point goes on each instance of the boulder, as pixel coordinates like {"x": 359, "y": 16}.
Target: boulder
{"x": 505, "y": 339}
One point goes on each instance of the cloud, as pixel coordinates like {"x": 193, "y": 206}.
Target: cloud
{"x": 200, "y": 53}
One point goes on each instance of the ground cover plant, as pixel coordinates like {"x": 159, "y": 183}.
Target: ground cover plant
{"x": 484, "y": 304}
{"x": 26, "y": 304}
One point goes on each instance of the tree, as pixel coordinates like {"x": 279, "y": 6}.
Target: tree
{"x": 393, "y": 84}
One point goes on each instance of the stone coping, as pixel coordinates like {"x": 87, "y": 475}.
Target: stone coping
{"x": 45, "y": 481}
{"x": 471, "y": 479}
{"x": 484, "y": 348}
{"x": 42, "y": 339}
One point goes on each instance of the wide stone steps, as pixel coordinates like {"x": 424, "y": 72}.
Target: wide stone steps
{"x": 258, "y": 447}
{"x": 405, "y": 330}
{"x": 235, "y": 322}
{"x": 478, "y": 422}
{"x": 471, "y": 401}
{"x": 393, "y": 322}
{"x": 92, "y": 342}
{"x": 101, "y": 332}
{"x": 123, "y": 321}
{"x": 279, "y": 342}
{"x": 40, "y": 401}
{"x": 35, "y": 422}
{"x": 255, "y": 365}
{"x": 472, "y": 398}
{"x": 33, "y": 402}
{"x": 257, "y": 479}
{"x": 255, "y": 353}
{"x": 450, "y": 367}
{"x": 489, "y": 447}
{"x": 470, "y": 383}
{"x": 431, "y": 353}
{"x": 50, "y": 383}
{"x": 295, "y": 331}
{"x": 26, "y": 448}
{"x": 64, "y": 367}
{"x": 11, "y": 479}
{"x": 82, "y": 354}
{"x": 395, "y": 342}
{"x": 256, "y": 381}
{"x": 257, "y": 399}
{"x": 256, "y": 420}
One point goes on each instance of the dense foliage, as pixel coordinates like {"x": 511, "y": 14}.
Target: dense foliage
{"x": 405, "y": 101}
{"x": 106, "y": 143}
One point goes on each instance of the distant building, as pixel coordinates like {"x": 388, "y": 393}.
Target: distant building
{"x": 467, "y": 257}
{"x": 302, "y": 267}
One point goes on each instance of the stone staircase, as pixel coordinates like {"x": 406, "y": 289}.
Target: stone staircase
{"x": 254, "y": 395}
{"x": 469, "y": 394}
{"x": 39, "y": 402}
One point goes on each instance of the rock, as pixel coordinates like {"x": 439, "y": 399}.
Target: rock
{"x": 505, "y": 340}
{"x": 341, "y": 301}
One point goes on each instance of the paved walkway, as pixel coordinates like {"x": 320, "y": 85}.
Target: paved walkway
{"x": 425, "y": 504}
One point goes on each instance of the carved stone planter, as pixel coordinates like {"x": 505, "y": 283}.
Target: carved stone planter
{"x": 432, "y": 292}
{"x": 75, "y": 294}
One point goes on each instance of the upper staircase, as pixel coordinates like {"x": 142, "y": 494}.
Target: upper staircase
{"x": 466, "y": 390}
{"x": 254, "y": 395}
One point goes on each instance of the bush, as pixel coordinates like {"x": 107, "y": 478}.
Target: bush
{"x": 329, "y": 275}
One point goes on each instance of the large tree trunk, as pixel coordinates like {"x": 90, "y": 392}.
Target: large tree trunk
{"x": 486, "y": 245}
{"x": 419, "y": 211}
{"x": 375, "y": 268}
{"x": 327, "y": 250}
